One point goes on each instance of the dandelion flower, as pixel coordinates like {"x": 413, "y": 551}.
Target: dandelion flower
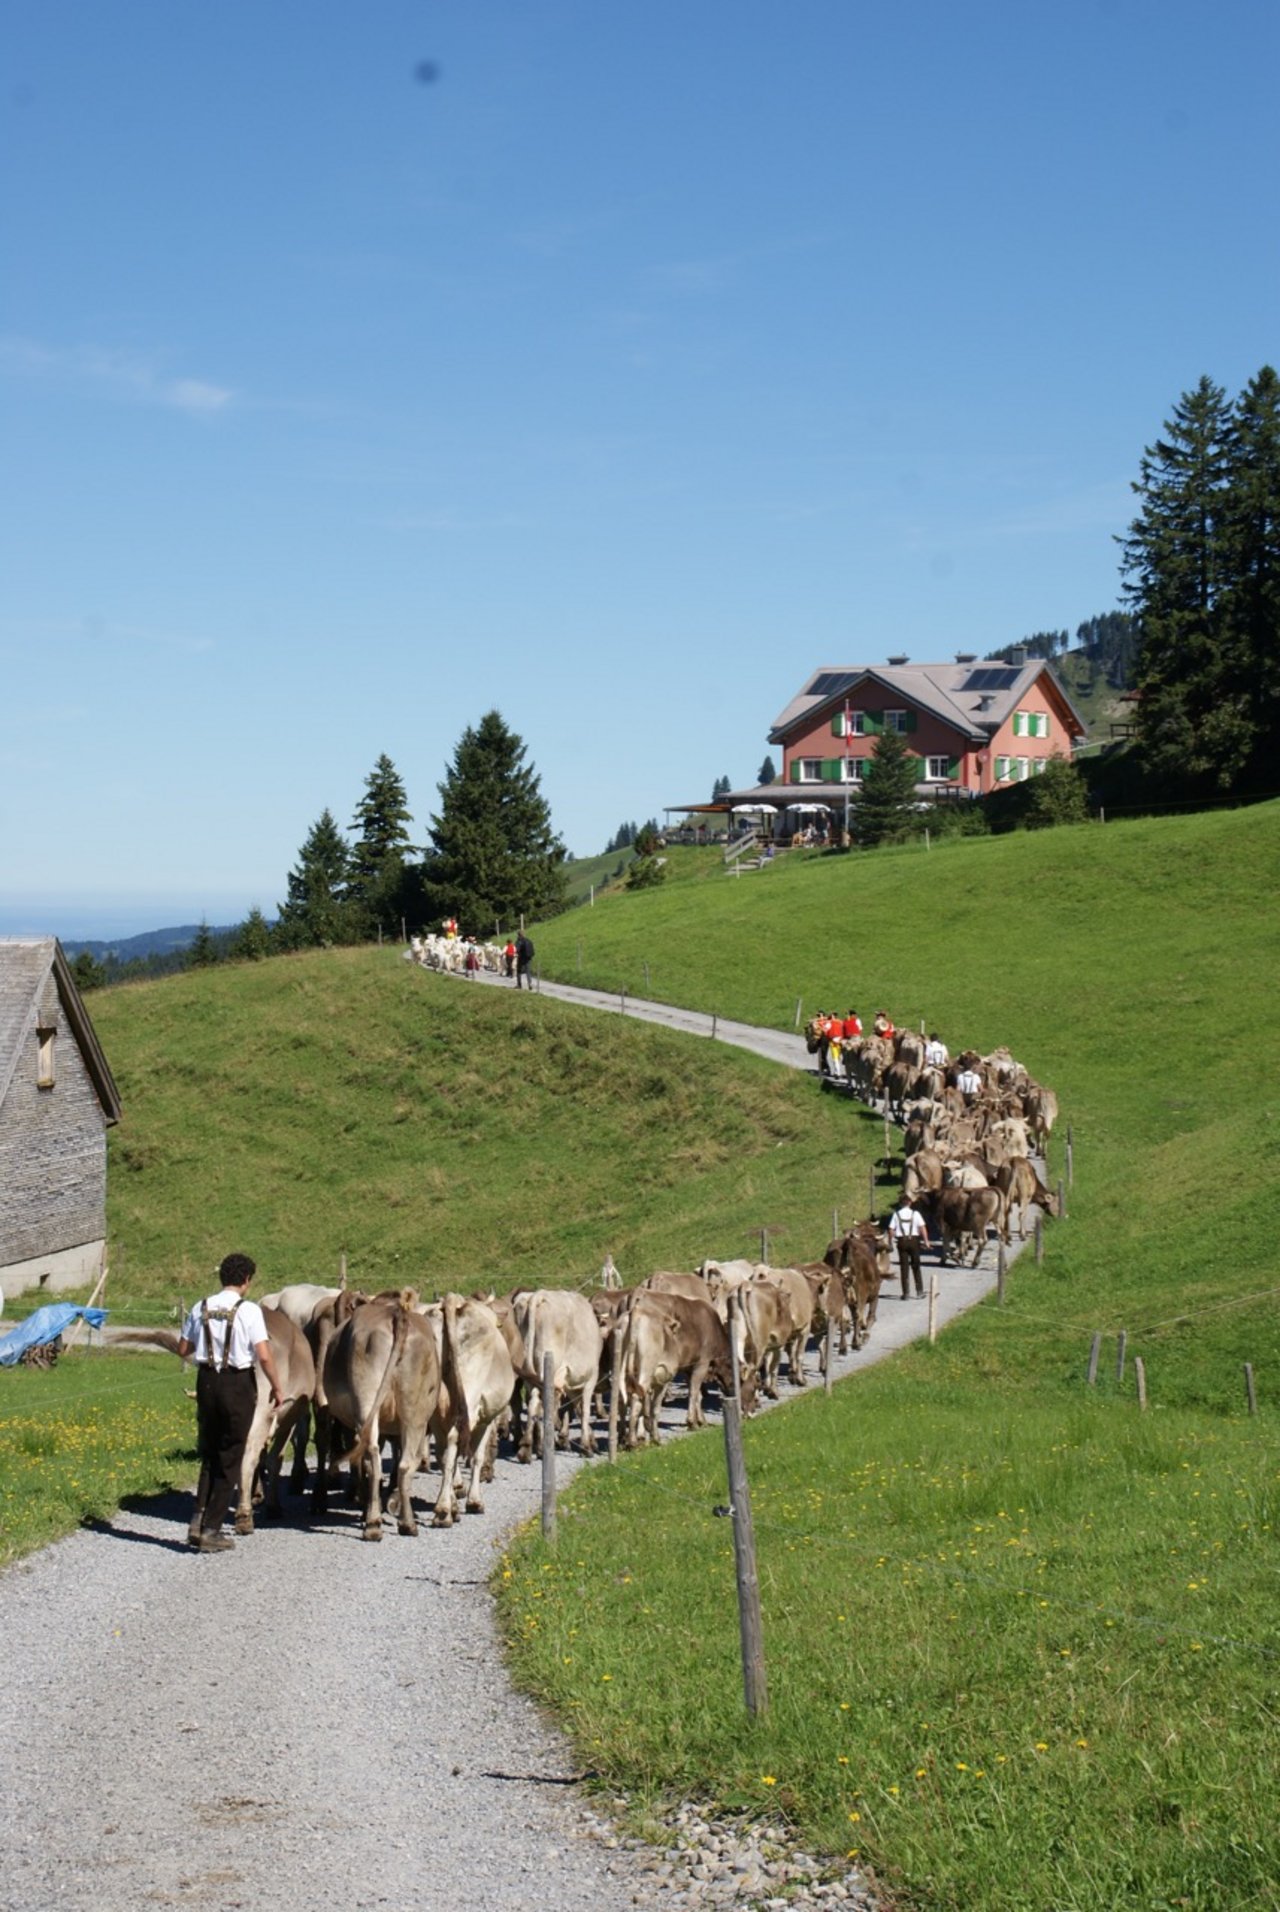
{"x": 767, "y": 1779}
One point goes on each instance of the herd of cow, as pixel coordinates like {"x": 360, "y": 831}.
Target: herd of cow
{"x": 459, "y": 1373}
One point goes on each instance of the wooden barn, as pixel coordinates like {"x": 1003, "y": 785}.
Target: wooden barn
{"x": 57, "y": 1101}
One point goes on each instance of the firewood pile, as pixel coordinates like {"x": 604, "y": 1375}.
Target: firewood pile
{"x": 45, "y": 1356}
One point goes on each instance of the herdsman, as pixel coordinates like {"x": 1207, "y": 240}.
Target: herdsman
{"x": 907, "y": 1228}
{"x": 227, "y": 1333}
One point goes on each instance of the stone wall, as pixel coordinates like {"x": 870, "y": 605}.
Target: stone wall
{"x": 53, "y": 1153}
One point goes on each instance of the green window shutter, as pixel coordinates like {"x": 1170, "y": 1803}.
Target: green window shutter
{"x": 831, "y": 769}
{"x": 837, "y": 724}
{"x": 795, "y": 770}
{"x": 911, "y": 720}
{"x": 872, "y": 723}
{"x": 953, "y": 768}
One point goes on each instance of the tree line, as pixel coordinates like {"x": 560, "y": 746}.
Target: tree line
{"x": 491, "y": 857}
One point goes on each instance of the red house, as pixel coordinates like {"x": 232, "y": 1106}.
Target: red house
{"x": 973, "y": 725}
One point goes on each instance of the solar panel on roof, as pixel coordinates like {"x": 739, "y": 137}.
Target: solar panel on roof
{"x": 827, "y": 683}
{"x": 992, "y": 677}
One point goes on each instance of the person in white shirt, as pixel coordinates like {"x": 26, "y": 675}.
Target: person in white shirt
{"x": 907, "y": 1228}
{"x": 969, "y": 1083}
{"x": 935, "y": 1051}
{"x": 227, "y": 1333}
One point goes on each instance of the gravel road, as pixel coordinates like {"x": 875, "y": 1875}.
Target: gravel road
{"x": 312, "y": 1720}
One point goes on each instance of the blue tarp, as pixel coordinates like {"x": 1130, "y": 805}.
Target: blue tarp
{"x": 46, "y": 1324}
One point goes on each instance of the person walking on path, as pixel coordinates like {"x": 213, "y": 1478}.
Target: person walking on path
{"x": 524, "y": 960}
{"x": 907, "y": 1228}
{"x": 227, "y": 1333}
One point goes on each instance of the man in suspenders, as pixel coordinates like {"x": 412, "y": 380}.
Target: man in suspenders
{"x": 226, "y": 1332}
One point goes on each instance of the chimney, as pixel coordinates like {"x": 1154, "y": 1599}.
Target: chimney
{"x": 966, "y": 657}
{"x": 1018, "y": 654}
{"x": 900, "y": 657}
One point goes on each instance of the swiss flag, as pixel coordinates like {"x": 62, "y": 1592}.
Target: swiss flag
{"x": 848, "y": 727}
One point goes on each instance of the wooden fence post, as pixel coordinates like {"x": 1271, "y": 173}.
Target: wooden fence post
{"x": 1039, "y": 1238}
{"x": 646, "y": 979}
{"x": 751, "y": 1632}
{"x": 342, "y": 1270}
{"x": 799, "y": 1004}
{"x": 1140, "y": 1371}
{"x": 1000, "y": 1274}
{"x": 764, "y": 1246}
{"x": 933, "y": 1306}
{"x": 1122, "y": 1342}
{"x": 1071, "y": 1177}
{"x": 835, "y": 1224}
{"x": 1249, "y": 1394}
{"x": 1094, "y": 1352}
{"x": 871, "y": 1191}
{"x": 829, "y": 1357}
{"x": 1062, "y": 1201}
{"x": 549, "y": 1450}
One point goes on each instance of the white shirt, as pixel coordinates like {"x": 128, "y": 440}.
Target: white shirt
{"x": 969, "y": 1082}
{"x": 908, "y": 1222}
{"x": 248, "y": 1329}
{"x": 935, "y": 1054}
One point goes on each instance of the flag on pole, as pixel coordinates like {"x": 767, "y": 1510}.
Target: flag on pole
{"x": 848, "y": 727}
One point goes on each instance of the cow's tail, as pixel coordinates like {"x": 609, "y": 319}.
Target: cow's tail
{"x": 449, "y": 1370}
{"x": 399, "y": 1329}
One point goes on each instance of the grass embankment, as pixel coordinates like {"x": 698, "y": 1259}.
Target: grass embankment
{"x": 437, "y": 1133}
{"x": 1022, "y": 1639}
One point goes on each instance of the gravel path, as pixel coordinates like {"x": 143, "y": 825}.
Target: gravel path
{"x": 312, "y": 1720}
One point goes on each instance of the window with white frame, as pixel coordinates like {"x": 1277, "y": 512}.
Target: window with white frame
{"x": 848, "y": 723}
{"x": 1003, "y": 769}
{"x": 1039, "y": 723}
{"x": 1037, "y": 768}
{"x": 853, "y": 770}
{"x": 896, "y": 720}
{"x": 811, "y": 770}
{"x": 1024, "y": 769}
{"x": 937, "y": 769}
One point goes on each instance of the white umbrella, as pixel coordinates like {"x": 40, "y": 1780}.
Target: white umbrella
{"x": 811, "y": 806}
{"x": 754, "y": 809}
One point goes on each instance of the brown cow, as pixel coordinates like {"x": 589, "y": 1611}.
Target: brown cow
{"x": 476, "y": 1382}
{"x": 861, "y": 1257}
{"x": 560, "y": 1323}
{"x": 381, "y": 1377}
{"x": 664, "y": 1335}
{"x": 964, "y": 1214}
{"x": 1021, "y": 1185}
{"x": 799, "y": 1301}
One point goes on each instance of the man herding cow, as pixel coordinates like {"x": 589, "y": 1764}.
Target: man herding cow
{"x": 227, "y": 1333}
{"x": 907, "y": 1228}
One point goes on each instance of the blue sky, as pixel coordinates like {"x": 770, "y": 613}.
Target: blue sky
{"x": 365, "y": 368}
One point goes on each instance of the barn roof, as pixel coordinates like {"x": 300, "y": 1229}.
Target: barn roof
{"x": 28, "y": 966}
{"x": 974, "y": 696}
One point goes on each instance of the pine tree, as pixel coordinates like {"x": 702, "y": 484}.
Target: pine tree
{"x": 375, "y": 880}
{"x": 316, "y": 911}
{"x": 493, "y": 854}
{"x": 1252, "y": 599}
{"x": 720, "y": 788}
{"x": 768, "y": 772}
{"x": 1191, "y": 722}
{"x": 252, "y": 940}
{"x": 887, "y": 793}
{"x": 203, "y": 950}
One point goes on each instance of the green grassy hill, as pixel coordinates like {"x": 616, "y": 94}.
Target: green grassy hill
{"x": 1022, "y": 1637}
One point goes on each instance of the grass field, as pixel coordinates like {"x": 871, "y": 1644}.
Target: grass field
{"x": 1022, "y": 1639}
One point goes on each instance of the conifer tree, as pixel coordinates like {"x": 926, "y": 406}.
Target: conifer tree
{"x": 316, "y": 911}
{"x": 375, "y": 879}
{"x": 493, "y": 854}
{"x": 887, "y": 793}
{"x": 768, "y": 772}
{"x": 1252, "y": 599}
{"x": 252, "y": 940}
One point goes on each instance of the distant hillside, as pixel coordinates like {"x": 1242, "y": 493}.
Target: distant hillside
{"x": 151, "y": 942}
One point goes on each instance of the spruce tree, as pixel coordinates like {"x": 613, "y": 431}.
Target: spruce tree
{"x": 768, "y": 772}
{"x": 887, "y": 794}
{"x": 252, "y": 940}
{"x": 316, "y": 911}
{"x": 1251, "y": 610}
{"x": 493, "y": 854}
{"x": 1191, "y": 724}
{"x": 375, "y": 879}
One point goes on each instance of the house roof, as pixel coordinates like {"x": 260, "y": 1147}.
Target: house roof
{"x": 27, "y": 967}
{"x": 974, "y": 697}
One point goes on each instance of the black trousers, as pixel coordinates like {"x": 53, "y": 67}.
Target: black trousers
{"x": 225, "y": 1404}
{"x": 909, "y": 1262}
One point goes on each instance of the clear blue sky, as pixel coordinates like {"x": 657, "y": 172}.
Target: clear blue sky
{"x": 609, "y": 362}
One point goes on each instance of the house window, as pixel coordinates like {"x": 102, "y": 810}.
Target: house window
{"x": 847, "y": 723}
{"x": 1040, "y": 723}
{"x": 44, "y": 1063}
{"x": 937, "y": 769}
{"x": 853, "y": 770}
{"x": 1003, "y": 771}
{"x": 811, "y": 770}
{"x": 1024, "y": 769}
{"x": 1037, "y": 768}
{"x": 896, "y": 720}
